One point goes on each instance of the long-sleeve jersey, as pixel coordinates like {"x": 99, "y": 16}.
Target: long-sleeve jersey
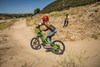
{"x": 49, "y": 27}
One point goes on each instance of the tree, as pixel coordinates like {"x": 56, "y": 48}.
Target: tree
{"x": 36, "y": 11}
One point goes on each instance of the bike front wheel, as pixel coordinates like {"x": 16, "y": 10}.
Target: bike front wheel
{"x": 35, "y": 43}
{"x": 58, "y": 47}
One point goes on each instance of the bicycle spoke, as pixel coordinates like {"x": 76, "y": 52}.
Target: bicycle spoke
{"x": 58, "y": 47}
{"x": 35, "y": 44}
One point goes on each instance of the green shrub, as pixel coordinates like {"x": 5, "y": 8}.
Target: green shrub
{"x": 36, "y": 11}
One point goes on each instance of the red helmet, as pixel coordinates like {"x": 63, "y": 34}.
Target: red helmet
{"x": 45, "y": 18}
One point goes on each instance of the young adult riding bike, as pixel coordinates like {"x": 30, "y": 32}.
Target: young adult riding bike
{"x": 50, "y": 27}
{"x": 56, "y": 46}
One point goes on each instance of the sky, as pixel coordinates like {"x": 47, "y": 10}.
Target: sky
{"x": 22, "y": 6}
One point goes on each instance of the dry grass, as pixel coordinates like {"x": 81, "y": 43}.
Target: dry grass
{"x": 2, "y": 61}
{"x": 29, "y": 21}
{"x": 5, "y": 24}
{"x": 84, "y": 23}
{"x": 34, "y": 20}
{"x": 30, "y": 64}
{"x": 3, "y": 38}
{"x": 73, "y": 60}
{"x": 26, "y": 65}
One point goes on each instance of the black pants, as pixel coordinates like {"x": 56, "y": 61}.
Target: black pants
{"x": 65, "y": 23}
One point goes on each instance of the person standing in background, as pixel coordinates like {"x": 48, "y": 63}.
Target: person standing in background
{"x": 66, "y": 20}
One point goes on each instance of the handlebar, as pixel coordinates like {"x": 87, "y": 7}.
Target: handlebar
{"x": 39, "y": 28}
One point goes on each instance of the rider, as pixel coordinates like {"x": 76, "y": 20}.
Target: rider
{"x": 50, "y": 27}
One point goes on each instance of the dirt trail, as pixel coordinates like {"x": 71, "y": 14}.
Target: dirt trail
{"x": 22, "y": 53}
{"x": 21, "y": 36}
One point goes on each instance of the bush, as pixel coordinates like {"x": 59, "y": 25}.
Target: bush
{"x": 36, "y": 11}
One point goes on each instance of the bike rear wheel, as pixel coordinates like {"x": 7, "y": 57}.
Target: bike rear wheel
{"x": 35, "y": 43}
{"x": 58, "y": 47}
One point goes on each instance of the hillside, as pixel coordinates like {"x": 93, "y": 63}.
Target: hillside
{"x": 84, "y": 22}
{"x": 59, "y": 5}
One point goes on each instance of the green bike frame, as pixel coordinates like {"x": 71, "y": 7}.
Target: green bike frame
{"x": 42, "y": 38}
{"x": 55, "y": 47}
